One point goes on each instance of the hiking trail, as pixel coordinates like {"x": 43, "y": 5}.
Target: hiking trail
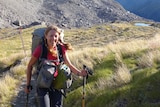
{"x": 21, "y": 98}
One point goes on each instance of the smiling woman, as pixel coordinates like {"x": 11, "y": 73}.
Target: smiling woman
{"x": 50, "y": 54}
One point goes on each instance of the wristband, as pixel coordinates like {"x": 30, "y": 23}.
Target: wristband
{"x": 29, "y": 87}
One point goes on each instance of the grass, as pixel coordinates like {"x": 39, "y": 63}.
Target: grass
{"x": 123, "y": 88}
{"x": 7, "y": 85}
{"x": 124, "y": 58}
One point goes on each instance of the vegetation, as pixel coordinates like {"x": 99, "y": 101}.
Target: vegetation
{"x": 125, "y": 60}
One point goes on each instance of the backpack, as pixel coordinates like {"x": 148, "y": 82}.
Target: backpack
{"x": 37, "y": 37}
{"x": 64, "y": 78}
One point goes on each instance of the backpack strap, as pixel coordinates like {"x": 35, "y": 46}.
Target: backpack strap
{"x": 44, "y": 51}
{"x": 43, "y": 55}
{"x": 61, "y": 59}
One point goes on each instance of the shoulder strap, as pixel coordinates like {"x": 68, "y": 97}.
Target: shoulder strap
{"x": 43, "y": 55}
{"x": 44, "y": 52}
{"x": 60, "y": 53}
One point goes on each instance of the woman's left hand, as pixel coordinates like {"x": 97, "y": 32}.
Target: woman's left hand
{"x": 83, "y": 73}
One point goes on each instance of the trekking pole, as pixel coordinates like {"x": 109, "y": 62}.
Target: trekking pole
{"x": 18, "y": 23}
{"x": 89, "y": 72}
{"x": 20, "y": 32}
{"x": 27, "y": 100}
{"x": 83, "y": 96}
{"x": 27, "y": 96}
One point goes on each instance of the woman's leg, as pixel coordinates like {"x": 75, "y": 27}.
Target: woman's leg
{"x": 56, "y": 98}
{"x": 43, "y": 97}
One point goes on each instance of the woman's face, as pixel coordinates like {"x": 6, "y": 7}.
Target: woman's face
{"x": 52, "y": 38}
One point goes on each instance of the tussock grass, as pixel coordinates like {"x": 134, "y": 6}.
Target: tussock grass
{"x": 88, "y": 56}
{"x": 156, "y": 55}
{"x": 146, "y": 60}
{"x": 128, "y": 48}
{"x": 10, "y": 60}
{"x": 154, "y": 42}
{"x": 20, "y": 69}
{"x": 122, "y": 75}
{"x": 10, "y": 81}
{"x": 7, "y": 87}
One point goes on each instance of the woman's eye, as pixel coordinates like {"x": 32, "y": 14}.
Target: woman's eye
{"x": 53, "y": 36}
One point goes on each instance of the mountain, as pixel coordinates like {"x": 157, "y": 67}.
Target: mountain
{"x": 68, "y": 13}
{"x": 145, "y": 8}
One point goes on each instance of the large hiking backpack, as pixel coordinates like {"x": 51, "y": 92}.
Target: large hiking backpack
{"x": 37, "y": 37}
{"x": 64, "y": 78}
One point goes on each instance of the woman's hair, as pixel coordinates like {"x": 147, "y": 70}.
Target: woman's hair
{"x": 52, "y": 27}
{"x": 57, "y": 29}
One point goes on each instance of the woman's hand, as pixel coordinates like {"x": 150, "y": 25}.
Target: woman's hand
{"x": 83, "y": 73}
{"x": 27, "y": 89}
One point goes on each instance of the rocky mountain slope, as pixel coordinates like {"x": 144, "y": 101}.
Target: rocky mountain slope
{"x": 145, "y": 8}
{"x": 68, "y": 13}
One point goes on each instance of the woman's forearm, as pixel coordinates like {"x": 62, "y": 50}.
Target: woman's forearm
{"x": 74, "y": 70}
{"x": 29, "y": 72}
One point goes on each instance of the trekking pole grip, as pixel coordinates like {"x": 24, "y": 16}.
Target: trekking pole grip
{"x": 29, "y": 87}
{"x": 89, "y": 71}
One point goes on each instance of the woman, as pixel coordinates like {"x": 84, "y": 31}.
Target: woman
{"x": 47, "y": 97}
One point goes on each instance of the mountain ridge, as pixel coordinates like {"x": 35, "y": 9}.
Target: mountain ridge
{"x": 67, "y": 13}
{"x": 145, "y": 8}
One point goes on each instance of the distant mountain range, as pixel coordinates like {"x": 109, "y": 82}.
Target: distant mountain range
{"x": 67, "y": 13}
{"x": 149, "y": 9}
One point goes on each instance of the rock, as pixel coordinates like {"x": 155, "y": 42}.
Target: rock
{"x": 17, "y": 23}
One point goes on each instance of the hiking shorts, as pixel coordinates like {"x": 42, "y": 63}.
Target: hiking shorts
{"x": 49, "y": 97}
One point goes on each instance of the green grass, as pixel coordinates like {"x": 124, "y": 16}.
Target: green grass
{"x": 142, "y": 91}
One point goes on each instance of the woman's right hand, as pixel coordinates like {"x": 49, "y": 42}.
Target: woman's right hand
{"x": 27, "y": 89}
{"x": 84, "y": 73}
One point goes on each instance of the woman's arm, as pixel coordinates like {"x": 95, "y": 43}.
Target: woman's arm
{"x": 29, "y": 71}
{"x": 72, "y": 67}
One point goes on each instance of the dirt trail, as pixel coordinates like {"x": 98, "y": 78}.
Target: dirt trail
{"x": 21, "y": 98}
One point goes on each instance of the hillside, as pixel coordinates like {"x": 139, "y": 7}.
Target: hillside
{"x": 145, "y": 8}
{"x": 124, "y": 58}
{"x": 67, "y": 13}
